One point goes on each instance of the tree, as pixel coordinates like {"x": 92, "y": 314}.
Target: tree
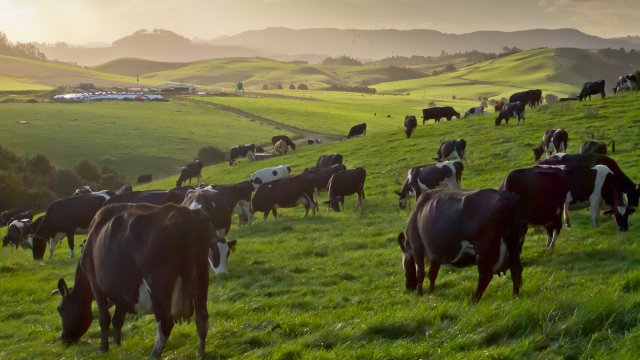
{"x": 210, "y": 155}
{"x": 64, "y": 183}
{"x": 265, "y": 87}
{"x": 292, "y": 87}
{"x": 303, "y": 87}
{"x": 39, "y": 165}
{"x": 87, "y": 171}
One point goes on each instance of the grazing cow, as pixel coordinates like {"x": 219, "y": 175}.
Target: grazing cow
{"x": 153, "y": 197}
{"x": 325, "y": 161}
{"x": 542, "y": 193}
{"x": 553, "y": 141}
{"x": 498, "y": 107}
{"x": 83, "y": 191}
{"x": 522, "y": 96}
{"x": 625, "y": 82}
{"x": 410, "y": 124}
{"x": 5, "y": 216}
{"x": 437, "y": 113}
{"x": 450, "y": 150}
{"x": 240, "y": 196}
{"x": 287, "y": 192}
{"x": 360, "y": 129}
{"x": 321, "y": 176}
{"x": 536, "y": 98}
{"x": 65, "y": 217}
{"x": 284, "y": 138}
{"x": 144, "y": 178}
{"x": 192, "y": 170}
{"x": 240, "y": 151}
{"x": 17, "y": 232}
{"x": 476, "y": 110}
{"x": 592, "y": 88}
{"x": 281, "y": 147}
{"x": 270, "y": 174}
{"x": 515, "y": 109}
{"x": 590, "y": 160}
{"x": 597, "y": 147}
{"x": 344, "y": 183}
{"x": 462, "y": 228}
{"x": 143, "y": 259}
{"x": 445, "y": 175}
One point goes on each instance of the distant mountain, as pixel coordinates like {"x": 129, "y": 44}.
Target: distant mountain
{"x": 377, "y": 44}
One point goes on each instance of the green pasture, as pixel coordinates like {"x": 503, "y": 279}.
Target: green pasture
{"x": 331, "y": 286}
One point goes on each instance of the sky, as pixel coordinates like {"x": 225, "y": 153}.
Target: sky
{"x": 86, "y": 21}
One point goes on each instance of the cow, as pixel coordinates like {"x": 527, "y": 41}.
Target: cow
{"x": 154, "y": 197}
{"x": 21, "y": 216}
{"x": 446, "y": 175}
{"x": 553, "y": 141}
{"x": 592, "y": 88}
{"x": 536, "y": 98}
{"x": 240, "y": 196}
{"x": 360, "y": 129}
{"x": 17, "y": 232}
{"x": 410, "y": 124}
{"x": 462, "y": 228}
{"x": 240, "y": 151}
{"x": 144, "y": 178}
{"x": 515, "y": 109}
{"x": 597, "y": 147}
{"x": 437, "y": 113}
{"x": 270, "y": 174}
{"x": 451, "y": 149}
{"x": 284, "y": 138}
{"x": 83, "y": 191}
{"x": 65, "y": 217}
{"x": 287, "y": 192}
{"x": 625, "y": 184}
{"x": 325, "y": 161}
{"x": 498, "y": 106}
{"x": 281, "y": 147}
{"x": 625, "y": 82}
{"x": 522, "y": 96}
{"x": 476, "y": 110}
{"x": 192, "y": 170}
{"x": 7, "y": 215}
{"x": 542, "y": 193}
{"x": 321, "y": 177}
{"x": 345, "y": 183}
{"x": 143, "y": 259}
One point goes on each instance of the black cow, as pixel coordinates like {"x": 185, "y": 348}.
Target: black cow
{"x": 321, "y": 177}
{"x": 515, "y": 109}
{"x": 592, "y": 88}
{"x": 65, "y": 217}
{"x": 143, "y": 259}
{"x": 553, "y": 141}
{"x": 590, "y": 160}
{"x": 284, "y": 138}
{"x": 285, "y": 193}
{"x": 462, "y": 228}
{"x": 192, "y": 170}
{"x": 451, "y": 149}
{"x": 344, "y": 183}
{"x": 428, "y": 177}
{"x": 240, "y": 151}
{"x": 437, "y": 113}
{"x": 536, "y": 98}
{"x": 597, "y": 147}
{"x": 240, "y": 195}
{"x": 144, "y": 178}
{"x": 522, "y": 96}
{"x": 360, "y": 129}
{"x": 410, "y": 124}
{"x": 325, "y": 161}
{"x": 7, "y": 215}
{"x": 542, "y": 193}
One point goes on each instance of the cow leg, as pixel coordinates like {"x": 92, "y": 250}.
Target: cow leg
{"x": 70, "y": 240}
{"x": 200, "y": 308}
{"x": 515, "y": 266}
{"x": 118, "y": 321}
{"x": 434, "y": 267}
{"x": 161, "y": 303}
{"x": 567, "y": 219}
{"x": 552, "y": 235}
{"x": 595, "y": 213}
{"x": 104, "y": 317}
{"x": 485, "y": 274}
{"x": 418, "y": 257}
{"x": 52, "y": 246}
{"x": 275, "y": 212}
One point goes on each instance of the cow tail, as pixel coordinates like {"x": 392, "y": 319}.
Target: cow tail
{"x": 613, "y": 145}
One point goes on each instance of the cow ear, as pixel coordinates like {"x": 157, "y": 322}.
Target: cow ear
{"x": 62, "y": 288}
{"x": 232, "y": 244}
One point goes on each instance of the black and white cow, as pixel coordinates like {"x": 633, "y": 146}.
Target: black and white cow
{"x": 553, "y": 141}
{"x": 512, "y": 109}
{"x": 463, "y": 228}
{"x": 476, "y": 110}
{"x": 592, "y": 88}
{"x": 287, "y": 192}
{"x": 626, "y": 82}
{"x": 240, "y": 195}
{"x": 360, "y": 129}
{"x": 240, "y": 151}
{"x": 451, "y": 150}
{"x": 270, "y": 174}
{"x": 345, "y": 183}
{"x": 597, "y": 147}
{"x": 143, "y": 259}
{"x": 325, "y": 161}
{"x": 524, "y": 97}
{"x": 437, "y": 113}
{"x": 419, "y": 179}
{"x": 284, "y": 138}
{"x": 6, "y": 216}
{"x": 192, "y": 170}
{"x": 410, "y": 124}
{"x": 18, "y": 231}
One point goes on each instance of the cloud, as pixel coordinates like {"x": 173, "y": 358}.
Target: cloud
{"x": 611, "y": 17}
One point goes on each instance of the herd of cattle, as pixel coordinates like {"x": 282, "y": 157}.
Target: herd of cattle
{"x": 149, "y": 251}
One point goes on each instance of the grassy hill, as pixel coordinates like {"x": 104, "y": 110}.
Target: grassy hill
{"x": 133, "y": 66}
{"x": 331, "y": 286}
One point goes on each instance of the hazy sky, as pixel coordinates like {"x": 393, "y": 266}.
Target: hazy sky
{"x": 84, "y": 21}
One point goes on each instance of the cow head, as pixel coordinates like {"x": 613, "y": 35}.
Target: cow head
{"x": 498, "y": 120}
{"x": 408, "y": 263}
{"x": 537, "y": 152}
{"x": 621, "y": 214}
{"x": 75, "y": 311}
{"x": 408, "y": 131}
{"x": 38, "y": 245}
{"x": 5, "y": 241}
{"x": 219, "y": 251}
{"x": 334, "y": 203}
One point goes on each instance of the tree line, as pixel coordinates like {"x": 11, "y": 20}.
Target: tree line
{"x": 18, "y": 49}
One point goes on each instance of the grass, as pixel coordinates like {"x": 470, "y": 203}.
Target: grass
{"x": 331, "y": 286}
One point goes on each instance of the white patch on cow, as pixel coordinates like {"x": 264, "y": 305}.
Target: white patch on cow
{"x": 54, "y": 241}
{"x": 161, "y": 340}
{"x": 422, "y": 187}
{"x": 223, "y": 250}
{"x": 596, "y": 196}
{"x": 195, "y": 205}
{"x": 561, "y": 155}
{"x": 561, "y": 167}
{"x": 465, "y": 248}
{"x": 103, "y": 194}
{"x": 144, "y": 305}
{"x": 30, "y": 241}
{"x": 622, "y": 210}
{"x": 270, "y": 174}
{"x": 501, "y": 258}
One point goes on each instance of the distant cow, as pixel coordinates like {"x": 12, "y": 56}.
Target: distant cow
{"x": 410, "y": 124}
{"x": 553, "y": 141}
{"x": 536, "y": 98}
{"x": 626, "y": 82}
{"x": 462, "y": 228}
{"x": 192, "y": 170}
{"x": 284, "y": 138}
{"x": 515, "y": 109}
{"x": 592, "y": 88}
{"x": 498, "y": 106}
{"x": 597, "y": 147}
{"x": 476, "y": 110}
{"x": 287, "y": 192}
{"x": 437, "y": 113}
{"x": 451, "y": 150}
{"x": 240, "y": 151}
{"x": 325, "y": 161}
{"x": 17, "y": 232}
{"x": 144, "y": 178}
{"x": 360, "y": 129}
{"x": 5, "y": 216}
{"x": 522, "y": 96}
{"x": 270, "y": 174}
{"x": 281, "y": 147}
{"x": 419, "y": 179}
{"x": 345, "y": 183}
{"x": 143, "y": 259}
{"x": 542, "y": 193}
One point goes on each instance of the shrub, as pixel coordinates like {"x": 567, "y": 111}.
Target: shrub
{"x": 292, "y": 87}
{"x": 265, "y": 87}
{"x": 303, "y": 87}
{"x": 550, "y": 99}
{"x": 453, "y": 97}
{"x": 279, "y": 87}
{"x": 210, "y": 155}
{"x": 432, "y": 103}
